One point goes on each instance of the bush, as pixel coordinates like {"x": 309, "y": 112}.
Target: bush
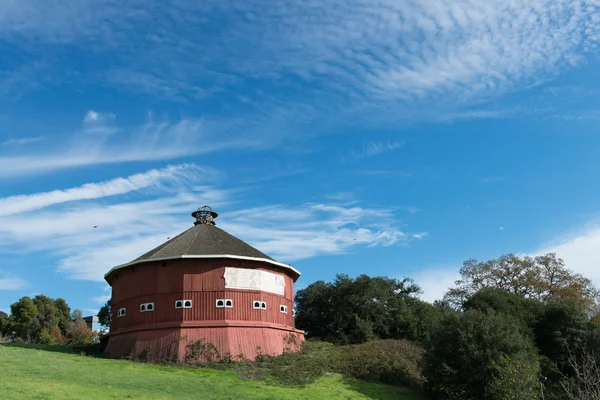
{"x": 515, "y": 379}
{"x": 392, "y": 361}
{"x": 78, "y": 333}
{"x": 461, "y": 358}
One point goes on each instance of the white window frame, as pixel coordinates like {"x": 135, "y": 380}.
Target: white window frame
{"x": 283, "y": 309}
{"x": 149, "y": 304}
{"x": 254, "y": 302}
{"x": 230, "y": 304}
{"x": 183, "y": 304}
{"x": 143, "y": 307}
{"x": 217, "y": 303}
{"x": 263, "y": 305}
{"x": 122, "y": 312}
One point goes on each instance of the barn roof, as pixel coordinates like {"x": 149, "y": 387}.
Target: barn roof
{"x": 204, "y": 240}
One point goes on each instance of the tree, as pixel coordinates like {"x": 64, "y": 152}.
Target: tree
{"x": 526, "y": 311}
{"x": 77, "y": 315}
{"x": 78, "y": 332}
{"x": 563, "y": 325}
{"x": 465, "y": 353}
{"x": 515, "y": 379}
{"x": 63, "y": 314}
{"x": 543, "y": 278}
{"x": 105, "y": 314}
{"x": 584, "y": 383}
{"x": 358, "y": 310}
{"x": 20, "y": 322}
{"x": 3, "y": 317}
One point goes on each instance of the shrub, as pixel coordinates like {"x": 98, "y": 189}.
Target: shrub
{"x": 515, "y": 379}
{"x": 78, "y": 333}
{"x": 201, "y": 351}
{"x": 392, "y": 361}
{"x": 461, "y": 355}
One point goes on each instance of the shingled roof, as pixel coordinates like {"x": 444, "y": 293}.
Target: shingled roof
{"x": 204, "y": 240}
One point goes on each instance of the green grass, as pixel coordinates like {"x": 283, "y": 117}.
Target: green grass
{"x": 51, "y": 372}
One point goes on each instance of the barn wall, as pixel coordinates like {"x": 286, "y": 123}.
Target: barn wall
{"x": 201, "y": 281}
{"x": 161, "y": 344}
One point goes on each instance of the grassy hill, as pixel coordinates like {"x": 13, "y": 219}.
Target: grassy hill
{"x": 33, "y": 373}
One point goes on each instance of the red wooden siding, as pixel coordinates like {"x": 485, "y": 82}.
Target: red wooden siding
{"x": 230, "y": 329}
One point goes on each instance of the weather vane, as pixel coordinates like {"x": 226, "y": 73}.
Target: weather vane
{"x": 204, "y": 215}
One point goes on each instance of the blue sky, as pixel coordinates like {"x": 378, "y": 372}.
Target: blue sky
{"x": 379, "y": 137}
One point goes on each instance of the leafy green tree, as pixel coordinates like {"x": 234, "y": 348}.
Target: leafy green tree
{"x": 542, "y": 278}
{"x": 564, "y": 326}
{"x": 463, "y": 354}
{"x": 105, "y": 315}
{"x": 515, "y": 379}
{"x": 526, "y": 311}
{"x": 3, "y": 318}
{"x": 63, "y": 314}
{"x": 21, "y": 320}
{"x": 358, "y": 310}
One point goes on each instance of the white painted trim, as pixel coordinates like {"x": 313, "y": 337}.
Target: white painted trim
{"x": 288, "y": 267}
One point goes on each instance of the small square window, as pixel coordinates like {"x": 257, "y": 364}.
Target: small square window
{"x": 283, "y": 309}
{"x": 142, "y": 307}
{"x": 187, "y": 304}
{"x": 179, "y": 304}
{"x": 257, "y": 305}
{"x": 228, "y": 303}
{"x": 263, "y": 305}
{"x": 220, "y": 303}
{"x": 150, "y": 307}
{"x": 122, "y": 312}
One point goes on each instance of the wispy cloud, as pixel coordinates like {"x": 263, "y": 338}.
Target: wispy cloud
{"x": 103, "y": 298}
{"x": 21, "y": 141}
{"x": 9, "y": 282}
{"x": 97, "y": 117}
{"x": 171, "y": 175}
{"x": 388, "y": 172}
{"x": 309, "y": 230}
{"x": 127, "y": 227}
{"x": 579, "y": 250}
{"x": 370, "y": 149}
{"x": 367, "y": 57}
{"x": 97, "y": 143}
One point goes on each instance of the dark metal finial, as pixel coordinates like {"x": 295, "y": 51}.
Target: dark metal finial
{"x": 204, "y": 215}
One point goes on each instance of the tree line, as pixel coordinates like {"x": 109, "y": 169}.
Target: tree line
{"x": 44, "y": 320}
{"x": 510, "y": 328}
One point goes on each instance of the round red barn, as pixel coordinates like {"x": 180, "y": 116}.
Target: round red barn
{"x": 202, "y": 284}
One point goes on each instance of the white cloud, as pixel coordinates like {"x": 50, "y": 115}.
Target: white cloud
{"x": 435, "y": 282}
{"x": 8, "y": 282}
{"x": 378, "y": 56}
{"x": 374, "y": 148}
{"x": 96, "y": 117}
{"x": 581, "y": 253}
{"x": 166, "y": 176}
{"x": 128, "y": 227}
{"x": 101, "y": 299}
{"x": 291, "y": 234}
{"x": 99, "y": 145}
{"x": 21, "y": 141}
